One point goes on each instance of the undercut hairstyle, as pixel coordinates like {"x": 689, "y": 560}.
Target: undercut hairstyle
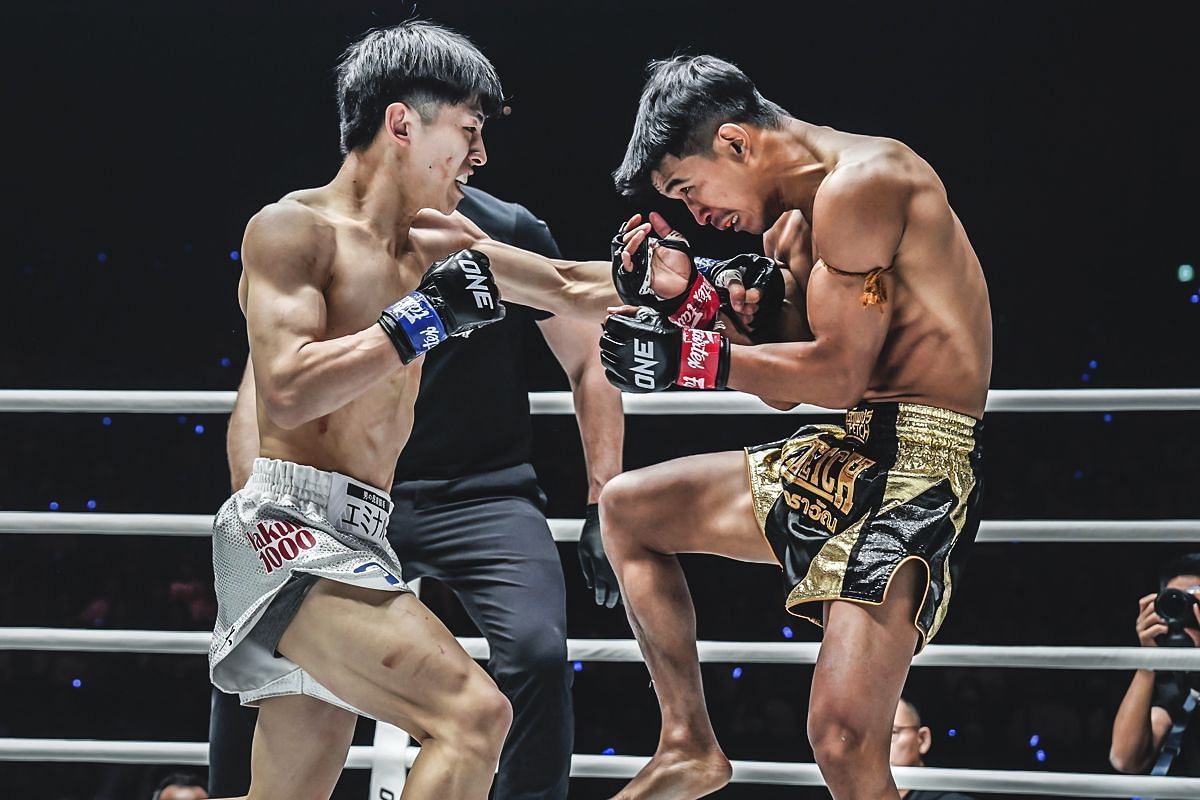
{"x": 1188, "y": 564}
{"x": 685, "y": 100}
{"x": 417, "y": 63}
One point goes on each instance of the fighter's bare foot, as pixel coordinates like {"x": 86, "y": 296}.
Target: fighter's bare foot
{"x": 679, "y": 775}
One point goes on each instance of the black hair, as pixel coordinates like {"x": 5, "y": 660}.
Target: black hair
{"x": 417, "y": 63}
{"x": 916, "y": 711}
{"x": 685, "y": 100}
{"x": 1187, "y": 564}
{"x": 176, "y": 779}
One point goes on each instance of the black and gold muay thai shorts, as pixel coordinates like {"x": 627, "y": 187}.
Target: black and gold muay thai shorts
{"x": 844, "y": 507}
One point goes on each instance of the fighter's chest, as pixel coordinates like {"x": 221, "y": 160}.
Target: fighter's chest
{"x": 362, "y": 283}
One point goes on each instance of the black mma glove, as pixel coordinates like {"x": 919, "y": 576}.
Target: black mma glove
{"x": 456, "y": 295}
{"x": 597, "y": 572}
{"x": 696, "y": 307}
{"x": 646, "y": 353}
{"x": 753, "y": 272}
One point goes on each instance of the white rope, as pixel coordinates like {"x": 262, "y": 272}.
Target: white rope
{"x": 197, "y": 402}
{"x": 614, "y": 650}
{"x": 567, "y": 530}
{"x": 590, "y": 766}
{"x": 93, "y": 751}
{"x": 115, "y": 524}
{"x": 115, "y": 401}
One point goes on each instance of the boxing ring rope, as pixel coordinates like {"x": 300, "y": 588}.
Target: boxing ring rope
{"x": 626, "y": 650}
{"x": 567, "y": 530}
{"x": 999, "y": 400}
{"x": 1076, "y": 784}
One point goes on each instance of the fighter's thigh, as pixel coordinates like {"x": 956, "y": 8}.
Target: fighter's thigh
{"x": 384, "y": 653}
{"x": 866, "y": 651}
{"x": 300, "y": 746}
{"x": 696, "y": 504}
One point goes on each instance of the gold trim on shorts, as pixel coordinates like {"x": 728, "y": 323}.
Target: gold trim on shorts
{"x": 932, "y": 445}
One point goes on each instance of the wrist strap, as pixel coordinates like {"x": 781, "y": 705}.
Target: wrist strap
{"x": 413, "y": 326}
{"x": 703, "y": 360}
{"x": 699, "y": 307}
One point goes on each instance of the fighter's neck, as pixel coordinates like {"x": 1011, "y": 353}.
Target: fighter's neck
{"x": 798, "y": 162}
{"x": 370, "y": 187}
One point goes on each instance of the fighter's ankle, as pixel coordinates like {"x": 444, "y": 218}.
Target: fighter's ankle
{"x": 695, "y": 739}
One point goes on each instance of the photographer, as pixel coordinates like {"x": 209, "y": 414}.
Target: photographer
{"x": 1158, "y": 707}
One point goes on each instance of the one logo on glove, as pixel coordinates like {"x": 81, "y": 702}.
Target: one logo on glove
{"x": 643, "y": 364}
{"x": 477, "y": 283}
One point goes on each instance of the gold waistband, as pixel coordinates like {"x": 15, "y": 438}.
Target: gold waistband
{"x": 927, "y": 426}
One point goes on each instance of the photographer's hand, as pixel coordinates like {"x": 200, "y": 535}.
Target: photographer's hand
{"x": 1139, "y": 727}
{"x": 1149, "y": 624}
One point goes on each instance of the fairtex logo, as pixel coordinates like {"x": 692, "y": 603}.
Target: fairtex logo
{"x": 697, "y": 355}
{"x": 477, "y": 283}
{"x": 694, "y": 310}
{"x": 643, "y": 364}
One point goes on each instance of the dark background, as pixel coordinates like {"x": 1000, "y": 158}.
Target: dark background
{"x": 141, "y": 137}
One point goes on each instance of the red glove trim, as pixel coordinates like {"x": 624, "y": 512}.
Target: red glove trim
{"x": 700, "y": 306}
{"x": 700, "y": 359}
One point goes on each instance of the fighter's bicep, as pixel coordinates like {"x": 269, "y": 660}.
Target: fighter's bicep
{"x": 284, "y": 317}
{"x": 286, "y": 271}
{"x": 842, "y": 325}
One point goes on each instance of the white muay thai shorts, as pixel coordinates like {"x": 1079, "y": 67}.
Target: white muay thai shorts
{"x": 290, "y": 525}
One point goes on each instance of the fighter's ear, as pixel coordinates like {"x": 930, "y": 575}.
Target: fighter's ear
{"x": 732, "y": 140}
{"x": 398, "y": 122}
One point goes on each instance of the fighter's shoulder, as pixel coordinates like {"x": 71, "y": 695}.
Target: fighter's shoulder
{"x": 872, "y": 167}
{"x": 287, "y": 231}
{"x": 863, "y": 205}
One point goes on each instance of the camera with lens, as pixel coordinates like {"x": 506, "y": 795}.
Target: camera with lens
{"x": 1175, "y": 608}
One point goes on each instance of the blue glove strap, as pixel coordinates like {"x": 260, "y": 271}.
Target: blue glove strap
{"x": 704, "y": 265}
{"x": 420, "y": 322}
